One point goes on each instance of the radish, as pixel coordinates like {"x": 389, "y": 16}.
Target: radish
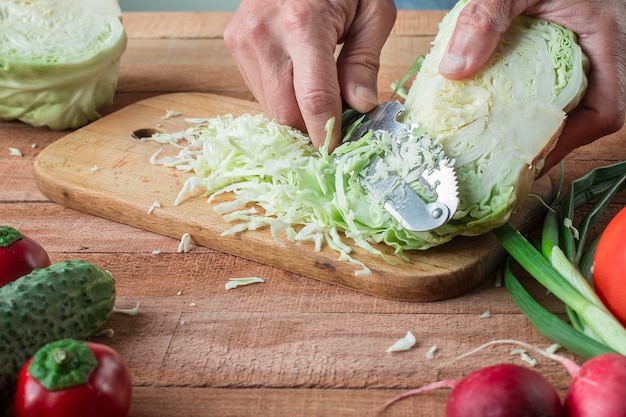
{"x": 504, "y": 390}
{"x": 598, "y": 388}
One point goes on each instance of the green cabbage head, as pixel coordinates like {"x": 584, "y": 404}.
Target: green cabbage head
{"x": 59, "y": 60}
{"x": 500, "y": 124}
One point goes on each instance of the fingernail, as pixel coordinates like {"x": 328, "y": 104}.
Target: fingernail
{"x": 452, "y": 64}
{"x": 366, "y": 94}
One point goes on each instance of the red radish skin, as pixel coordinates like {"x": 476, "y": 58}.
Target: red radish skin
{"x": 599, "y": 389}
{"x": 505, "y": 390}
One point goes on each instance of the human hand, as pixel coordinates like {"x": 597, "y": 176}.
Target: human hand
{"x": 601, "y": 29}
{"x": 285, "y": 50}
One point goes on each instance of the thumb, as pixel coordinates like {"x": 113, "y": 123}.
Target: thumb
{"x": 478, "y": 29}
{"x": 358, "y": 79}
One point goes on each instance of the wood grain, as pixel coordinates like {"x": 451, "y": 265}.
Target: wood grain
{"x": 125, "y": 185}
{"x": 231, "y": 355}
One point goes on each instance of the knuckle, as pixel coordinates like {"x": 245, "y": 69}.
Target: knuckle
{"x": 326, "y": 20}
{"x": 370, "y": 61}
{"x": 317, "y": 102}
{"x": 244, "y": 31}
{"x": 486, "y": 16}
{"x": 295, "y": 17}
{"x": 364, "y": 58}
{"x": 606, "y": 120}
{"x": 611, "y": 122}
{"x": 385, "y": 9}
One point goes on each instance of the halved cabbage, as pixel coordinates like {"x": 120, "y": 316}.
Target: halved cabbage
{"x": 59, "y": 60}
{"x": 500, "y": 124}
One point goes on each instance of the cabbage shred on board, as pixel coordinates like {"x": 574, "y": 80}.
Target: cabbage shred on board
{"x": 59, "y": 60}
{"x": 275, "y": 179}
{"x": 497, "y": 126}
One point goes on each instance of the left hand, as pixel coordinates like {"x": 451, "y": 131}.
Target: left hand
{"x": 601, "y": 29}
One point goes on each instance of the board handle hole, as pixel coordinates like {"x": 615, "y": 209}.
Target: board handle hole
{"x": 145, "y": 132}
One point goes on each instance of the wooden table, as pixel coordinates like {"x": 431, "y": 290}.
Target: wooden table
{"x": 292, "y": 346}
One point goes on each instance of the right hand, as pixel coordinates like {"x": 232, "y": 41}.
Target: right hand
{"x": 285, "y": 50}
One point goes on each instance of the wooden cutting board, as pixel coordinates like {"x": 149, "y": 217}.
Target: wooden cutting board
{"x": 100, "y": 169}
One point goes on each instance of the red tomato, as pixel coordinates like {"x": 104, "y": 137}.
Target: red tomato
{"x": 106, "y": 393}
{"x": 19, "y": 255}
{"x": 609, "y": 267}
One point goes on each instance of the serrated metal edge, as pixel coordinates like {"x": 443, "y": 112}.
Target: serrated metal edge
{"x": 444, "y": 181}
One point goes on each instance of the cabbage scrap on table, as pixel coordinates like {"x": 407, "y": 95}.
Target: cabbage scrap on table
{"x": 497, "y": 126}
{"x": 59, "y": 60}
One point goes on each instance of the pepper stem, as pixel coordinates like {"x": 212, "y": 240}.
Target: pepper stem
{"x": 8, "y": 236}
{"x": 63, "y": 364}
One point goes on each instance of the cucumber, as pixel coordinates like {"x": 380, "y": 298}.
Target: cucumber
{"x": 70, "y": 299}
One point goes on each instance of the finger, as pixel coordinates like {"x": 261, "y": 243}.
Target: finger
{"x": 314, "y": 74}
{"x": 318, "y": 95}
{"x": 359, "y": 61}
{"x": 279, "y": 93}
{"x": 263, "y": 64}
{"x": 477, "y": 33}
{"x": 601, "y": 113}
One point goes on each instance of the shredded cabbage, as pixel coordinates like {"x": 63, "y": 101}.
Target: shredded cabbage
{"x": 495, "y": 126}
{"x": 275, "y": 179}
{"x": 238, "y": 282}
{"x": 59, "y": 60}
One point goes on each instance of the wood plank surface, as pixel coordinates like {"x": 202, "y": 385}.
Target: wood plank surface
{"x": 124, "y": 185}
{"x": 292, "y": 346}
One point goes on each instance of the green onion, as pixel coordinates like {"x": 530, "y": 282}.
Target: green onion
{"x": 586, "y": 261}
{"x": 562, "y": 264}
{"x": 549, "y": 324}
{"x": 602, "y": 324}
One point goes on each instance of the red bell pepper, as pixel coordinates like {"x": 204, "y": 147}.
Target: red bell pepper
{"x": 70, "y": 378}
